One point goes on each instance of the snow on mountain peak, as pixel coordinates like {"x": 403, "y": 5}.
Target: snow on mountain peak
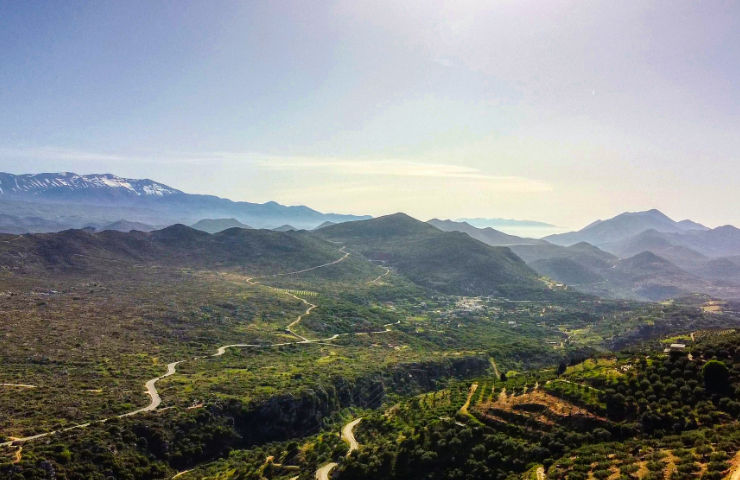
{"x": 41, "y": 183}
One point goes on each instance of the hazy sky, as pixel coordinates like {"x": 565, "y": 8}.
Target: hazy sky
{"x": 547, "y": 110}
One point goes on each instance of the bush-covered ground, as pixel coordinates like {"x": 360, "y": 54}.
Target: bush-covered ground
{"x": 78, "y": 347}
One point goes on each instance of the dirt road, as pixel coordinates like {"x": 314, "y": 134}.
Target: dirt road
{"x": 349, "y": 436}
{"x": 380, "y": 277}
{"x": 151, "y": 385}
{"x": 323, "y": 472}
{"x": 466, "y": 405}
{"x": 735, "y": 468}
{"x": 151, "y": 390}
{"x": 541, "y": 473}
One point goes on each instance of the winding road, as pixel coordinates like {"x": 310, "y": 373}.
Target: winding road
{"x": 156, "y": 400}
{"x": 151, "y": 385}
{"x": 380, "y": 277}
{"x": 151, "y": 389}
{"x": 348, "y": 436}
{"x": 323, "y": 472}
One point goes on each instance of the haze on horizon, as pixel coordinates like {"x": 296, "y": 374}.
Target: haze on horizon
{"x": 558, "y": 111}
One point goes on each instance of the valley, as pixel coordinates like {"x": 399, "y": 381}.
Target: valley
{"x": 283, "y": 344}
{"x": 375, "y": 240}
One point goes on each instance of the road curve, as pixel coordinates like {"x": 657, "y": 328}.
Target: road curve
{"x": 735, "y": 475}
{"x": 541, "y": 473}
{"x": 150, "y": 385}
{"x": 349, "y": 436}
{"x": 151, "y": 389}
{"x": 323, "y": 472}
{"x": 295, "y": 322}
{"x": 380, "y": 277}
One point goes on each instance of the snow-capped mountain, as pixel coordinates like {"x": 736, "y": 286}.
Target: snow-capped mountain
{"x": 66, "y": 184}
{"x": 78, "y": 201}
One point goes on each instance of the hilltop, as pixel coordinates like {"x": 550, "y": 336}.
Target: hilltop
{"x": 623, "y": 226}
{"x": 451, "y": 262}
{"x": 178, "y": 245}
{"x": 486, "y": 235}
{"x": 215, "y": 225}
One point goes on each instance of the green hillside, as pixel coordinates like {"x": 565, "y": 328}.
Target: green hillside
{"x": 82, "y": 251}
{"x": 449, "y": 262}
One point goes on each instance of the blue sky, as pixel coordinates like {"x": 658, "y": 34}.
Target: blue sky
{"x": 555, "y": 111}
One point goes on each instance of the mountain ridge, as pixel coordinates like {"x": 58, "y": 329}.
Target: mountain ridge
{"x": 450, "y": 262}
{"x": 76, "y": 200}
{"x": 622, "y": 226}
{"x": 486, "y": 235}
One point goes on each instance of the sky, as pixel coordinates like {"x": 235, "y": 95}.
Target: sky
{"x": 556, "y": 111}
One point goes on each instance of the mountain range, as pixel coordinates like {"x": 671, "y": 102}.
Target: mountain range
{"x": 487, "y": 235}
{"x": 215, "y": 225}
{"x": 639, "y": 255}
{"x": 75, "y": 201}
{"x": 450, "y": 262}
{"x": 623, "y": 226}
{"x": 447, "y": 262}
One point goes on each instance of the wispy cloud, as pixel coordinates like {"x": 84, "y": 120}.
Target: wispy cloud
{"x": 401, "y": 168}
{"x": 337, "y": 167}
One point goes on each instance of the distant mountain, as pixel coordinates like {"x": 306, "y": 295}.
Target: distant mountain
{"x": 450, "y": 262}
{"x": 718, "y": 242}
{"x": 502, "y": 222}
{"x": 658, "y": 243}
{"x": 579, "y": 265}
{"x": 325, "y": 224}
{"x": 642, "y": 276}
{"x": 583, "y": 253}
{"x": 655, "y": 278}
{"x": 18, "y": 225}
{"x": 78, "y": 200}
{"x": 723, "y": 269}
{"x": 647, "y": 266}
{"x": 285, "y": 228}
{"x": 126, "y": 226}
{"x": 486, "y": 235}
{"x": 691, "y": 225}
{"x": 566, "y": 270}
{"x": 215, "y": 225}
{"x": 722, "y": 241}
{"x": 622, "y": 226}
{"x": 68, "y": 186}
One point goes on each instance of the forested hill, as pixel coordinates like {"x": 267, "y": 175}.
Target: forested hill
{"x": 451, "y": 262}
{"x": 178, "y": 245}
{"x": 651, "y": 416}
